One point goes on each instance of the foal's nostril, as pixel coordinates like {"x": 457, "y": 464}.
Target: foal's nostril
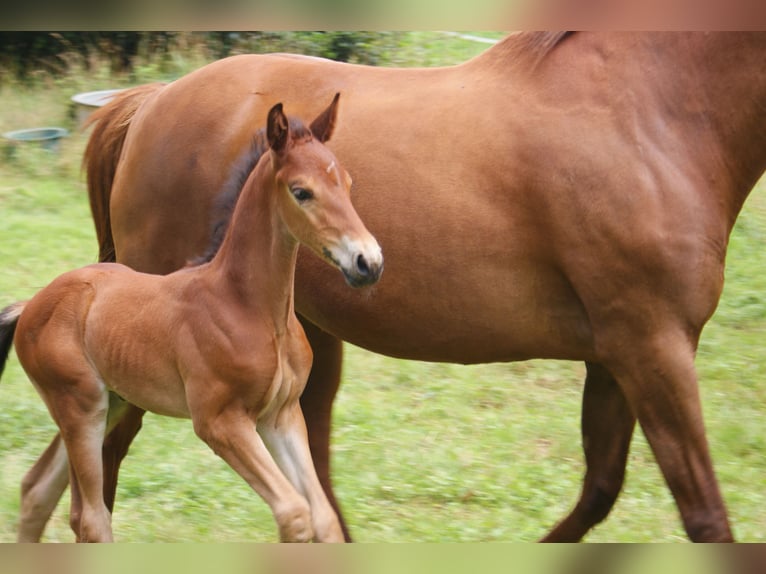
{"x": 361, "y": 265}
{"x": 361, "y": 272}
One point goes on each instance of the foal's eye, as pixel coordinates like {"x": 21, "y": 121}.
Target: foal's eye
{"x": 301, "y": 194}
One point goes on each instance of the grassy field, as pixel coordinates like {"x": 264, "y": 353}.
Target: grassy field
{"x": 422, "y": 452}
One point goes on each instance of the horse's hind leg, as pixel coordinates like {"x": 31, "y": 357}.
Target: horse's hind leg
{"x": 41, "y": 489}
{"x": 660, "y": 383}
{"x": 124, "y": 429}
{"x": 289, "y": 445}
{"x": 607, "y": 428}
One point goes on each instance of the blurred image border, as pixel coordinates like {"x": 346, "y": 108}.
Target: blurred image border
{"x": 364, "y": 558}
{"x": 391, "y": 15}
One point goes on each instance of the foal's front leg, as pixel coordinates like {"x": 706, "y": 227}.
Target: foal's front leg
{"x": 285, "y": 435}
{"x": 227, "y": 428}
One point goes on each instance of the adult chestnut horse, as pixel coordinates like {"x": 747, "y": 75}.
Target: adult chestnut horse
{"x": 563, "y": 196}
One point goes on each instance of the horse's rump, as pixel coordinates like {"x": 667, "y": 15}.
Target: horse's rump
{"x": 102, "y": 155}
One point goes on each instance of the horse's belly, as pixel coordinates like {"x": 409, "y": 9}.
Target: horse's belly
{"x": 460, "y": 318}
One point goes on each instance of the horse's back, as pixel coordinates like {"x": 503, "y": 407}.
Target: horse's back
{"x": 184, "y": 144}
{"x": 498, "y": 195}
{"x": 443, "y": 142}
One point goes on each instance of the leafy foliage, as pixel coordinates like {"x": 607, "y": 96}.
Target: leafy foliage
{"x": 26, "y": 54}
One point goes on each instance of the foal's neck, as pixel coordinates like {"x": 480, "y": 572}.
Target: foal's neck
{"x": 255, "y": 265}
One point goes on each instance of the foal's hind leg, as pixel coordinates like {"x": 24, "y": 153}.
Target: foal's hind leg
{"x": 41, "y": 490}
{"x": 607, "y": 428}
{"x": 80, "y": 411}
{"x": 44, "y": 484}
{"x": 116, "y": 415}
{"x": 285, "y": 435}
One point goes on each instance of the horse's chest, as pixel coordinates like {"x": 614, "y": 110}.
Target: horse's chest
{"x": 290, "y": 376}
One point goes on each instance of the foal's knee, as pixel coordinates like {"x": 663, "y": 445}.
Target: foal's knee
{"x": 36, "y": 508}
{"x": 75, "y": 519}
{"x": 91, "y": 524}
{"x": 327, "y": 528}
{"x": 294, "y": 522}
{"x": 37, "y": 498}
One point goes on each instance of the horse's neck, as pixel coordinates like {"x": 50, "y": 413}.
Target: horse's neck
{"x": 727, "y": 73}
{"x": 711, "y": 86}
{"x": 255, "y": 264}
{"x": 700, "y": 96}
{"x": 724, "y": 77}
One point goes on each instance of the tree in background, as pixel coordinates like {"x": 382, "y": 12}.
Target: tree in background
{"x": 22, "y": 54}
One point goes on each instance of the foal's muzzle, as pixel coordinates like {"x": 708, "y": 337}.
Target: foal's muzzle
{"x": 359, "y": 259}
{"x": 364, "y": 269}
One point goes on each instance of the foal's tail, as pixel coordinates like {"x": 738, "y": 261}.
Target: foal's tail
{"x": 9, "y": 317}
{"x": 102, "y": 155}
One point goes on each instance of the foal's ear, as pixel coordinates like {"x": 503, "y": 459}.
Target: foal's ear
{"x": 277, "y": 128}
{"x": 324, "y": 123}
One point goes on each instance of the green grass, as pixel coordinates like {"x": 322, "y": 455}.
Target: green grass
{"x": 421, "y": 451}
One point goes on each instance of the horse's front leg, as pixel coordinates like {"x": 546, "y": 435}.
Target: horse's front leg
{"x": 285, "y": 435}
{"x": 607, "y": 428}
{"x": 223, "y": 423}
{"x": 123, "y": 429}
{"x": 659, "y": 381}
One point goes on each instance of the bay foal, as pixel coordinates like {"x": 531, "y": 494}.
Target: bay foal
{"x": 219, "y": 342}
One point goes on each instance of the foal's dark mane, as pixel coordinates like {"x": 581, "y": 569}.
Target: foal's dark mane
{"x": 226, "y": 200}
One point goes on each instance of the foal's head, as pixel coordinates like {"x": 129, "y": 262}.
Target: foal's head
{"x": 314, "y": 196}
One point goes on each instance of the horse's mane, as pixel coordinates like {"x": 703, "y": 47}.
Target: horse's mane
{"x": 528, "y": 48}
{"x": 226, "y": 199}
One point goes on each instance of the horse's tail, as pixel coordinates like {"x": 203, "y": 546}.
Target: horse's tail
{"x": 9, "y": 317}
{"x": 102, "y": 155}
